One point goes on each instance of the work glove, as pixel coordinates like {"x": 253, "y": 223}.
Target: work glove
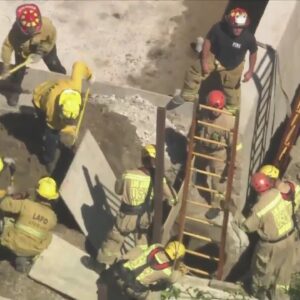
{"x": 34, "y": 58}
{"x": 183, "y": 269}
{"x": 9, "y": 161}
{"x": 67, "y": 140}
{"x": 173, "y": 201}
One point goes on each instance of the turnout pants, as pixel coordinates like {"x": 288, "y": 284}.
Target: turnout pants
{"x": 272, "y": 267}
{"x": 230, "y": 80}
{"x": 217, "y": 167}
{"x": 124, "y": 225}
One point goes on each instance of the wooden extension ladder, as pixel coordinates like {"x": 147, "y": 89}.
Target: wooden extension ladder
{"x": 185, "y": 220}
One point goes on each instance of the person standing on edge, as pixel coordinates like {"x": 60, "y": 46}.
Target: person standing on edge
{"x": 223, "y": 51}
{"x": 30, "y": 34}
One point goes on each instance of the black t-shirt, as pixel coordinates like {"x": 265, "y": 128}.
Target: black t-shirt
{"x": 228, "y": 49}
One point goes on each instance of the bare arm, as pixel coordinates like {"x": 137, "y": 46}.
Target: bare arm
{"x": 204, "y": 56}
{"x": 252, "y": 61}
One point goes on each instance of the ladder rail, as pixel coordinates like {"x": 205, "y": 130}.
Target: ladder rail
{"x": 230, "y": 173}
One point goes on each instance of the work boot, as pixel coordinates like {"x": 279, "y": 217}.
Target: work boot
{"x": 23, "y": 264}
{"x": 13, "y": 99}
{"x": 93, "y": 264}
{"x": 212, "y": 213}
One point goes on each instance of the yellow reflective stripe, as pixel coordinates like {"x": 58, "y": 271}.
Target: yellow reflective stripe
{"x": 297, "y": 196}
{"x": 283, "y": 287}
{"x": 269, "y": 207}
{"x": 167, "y": 271}
{"x": 137, "y": 177}
{"x": 285, "y": 228}
{"x": 36, "y": 233}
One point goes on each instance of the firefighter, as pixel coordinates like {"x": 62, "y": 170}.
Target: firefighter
{"x": 30, "y": 233}
{"x": 273, "y": 256}
{"x": 223, "y": 51}
{"x": 141, "y": 271}
{"x": 30, "y": 34}
{"x": 215, "y": 99}
{"x": 58, "y": 105}
{"x": 136, "y": 210}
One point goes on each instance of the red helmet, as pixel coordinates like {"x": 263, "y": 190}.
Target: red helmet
{"x": 260, "y": 182}
{"x": 29, "y": 18}
{"x": 238, "y": 17}
{"x": 216, "y": 99}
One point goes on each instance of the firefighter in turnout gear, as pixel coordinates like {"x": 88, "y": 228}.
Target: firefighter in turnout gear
{"x": 223, "y": 52}
{"x": 31, "y": 34}
{"x": 272, "y": 261}
{"x": 141, "y": 271}
{"x": 215, "y": 99}
{"x": 30, "y": 233}
{"x": 58, "y": 105}
{"x": 136, "y": 210}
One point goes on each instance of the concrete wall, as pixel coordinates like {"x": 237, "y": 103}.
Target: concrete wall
{"x": 279, "y": 28}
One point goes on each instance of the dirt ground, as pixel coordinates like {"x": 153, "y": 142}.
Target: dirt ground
{"x": 19, "y": 139}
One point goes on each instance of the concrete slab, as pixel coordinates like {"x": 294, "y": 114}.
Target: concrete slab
{"x": 88, "y": 191}
{"x": 59, "y": 267}
{"x": 191, "y": 286}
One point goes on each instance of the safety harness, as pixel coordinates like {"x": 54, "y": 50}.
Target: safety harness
{"x": 140, "y": 210}
{"x": 129, "y": 276}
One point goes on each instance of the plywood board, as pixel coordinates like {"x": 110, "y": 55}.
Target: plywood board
{"x": 88, "y": 191}
{"x": 60, "y": 268}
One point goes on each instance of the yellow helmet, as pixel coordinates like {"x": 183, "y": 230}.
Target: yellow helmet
{"x": 149, "y": 151}
{"x": 175, "y": 250}
{"x": 47, "y": 188}
{"x": 270, "y": 171}
{"x": 1, "y": 164}
{"x": 70, "y": 102}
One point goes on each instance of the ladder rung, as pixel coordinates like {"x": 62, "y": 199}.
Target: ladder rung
{"x": 201, "y": 255}
{"x": 205, "y": 172}
{"x": 199, "y": 203}
{"x": 200, "y": 221}
{"x": 225, "y": 112}
{"x": 213, "y": 125}
{"x": 197, "y": 236}
{"x": 208, "y": 157}
{"x": 199, "y": 138}
{"x": 198, "y": 271}
{"x": 202, "y": 188}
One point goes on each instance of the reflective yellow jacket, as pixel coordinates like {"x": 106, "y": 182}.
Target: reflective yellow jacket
{"x": 271, "y": 216}
{"x": 31, "y": 232}
{"x": 46, "y": 95}
{"x": 149, "y": 275}
{"x": 134, "y": 184}
{"x": 43, "y": 42}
